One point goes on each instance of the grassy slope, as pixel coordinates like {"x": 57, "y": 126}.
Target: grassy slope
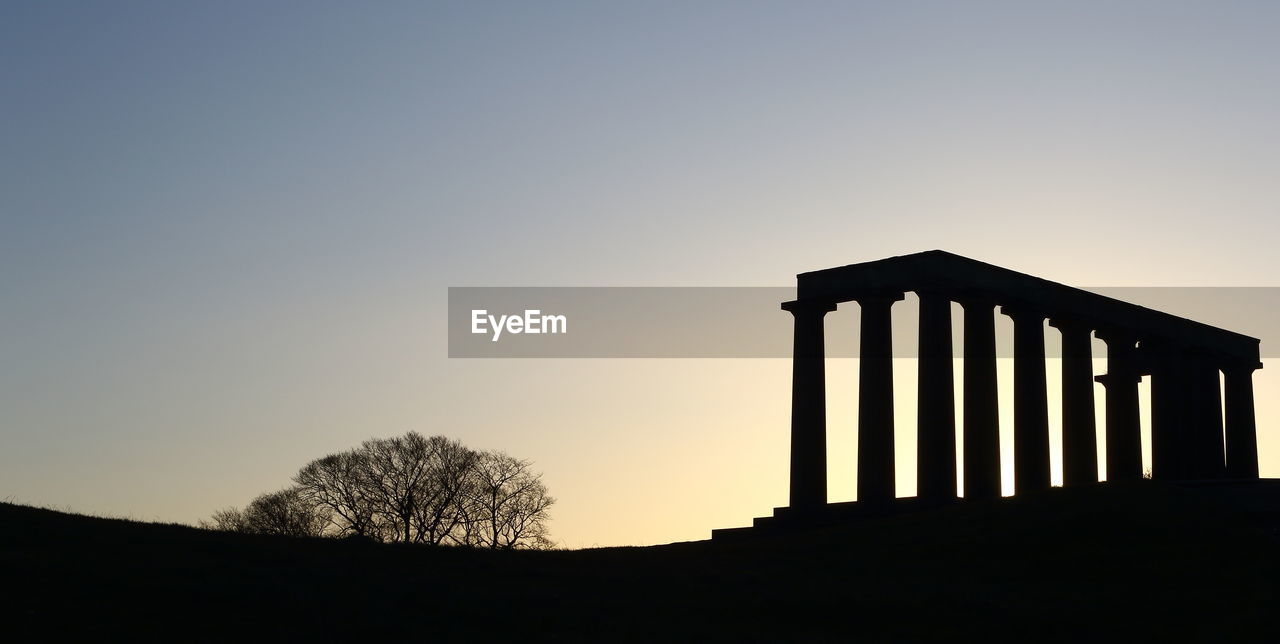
{"x": 1156, "y": 561}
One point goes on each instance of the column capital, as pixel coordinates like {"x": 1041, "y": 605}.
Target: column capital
{"x": 1121, "y": 379}
{"x": 1070, "y": 325}
{"x": 1023, "y": 313}
{"x": 878, "y": 297}
{"x": 1116, "y": 336}
{"x": 797, "y": 307}
{"x": 976, "y": 299}
{"x": 1240, "y": 367}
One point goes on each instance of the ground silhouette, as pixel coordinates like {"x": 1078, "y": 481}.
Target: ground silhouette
{"x": 1142, "y": 560}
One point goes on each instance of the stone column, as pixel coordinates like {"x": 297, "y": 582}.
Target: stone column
{"x": 1242, "y": 439}
{"x": 1079, "y": 431}
{"x": 1124, "y": 433}
{"x": 808, "y": 405}
{"x": 936, "y": 406}
{"x": 875, "y": 398}
{"x": 1168, "y": 411}
{"x": 1030, "y": 401}
{"x": 1208, "y": 461}
{"x": 981, "y": 417}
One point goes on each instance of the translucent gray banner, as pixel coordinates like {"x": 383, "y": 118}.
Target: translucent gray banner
{"x": 745, "y": 322}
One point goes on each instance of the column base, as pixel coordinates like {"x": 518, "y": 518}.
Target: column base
{"x": 1256, "y": 498}
{"x": 786, "y": 520}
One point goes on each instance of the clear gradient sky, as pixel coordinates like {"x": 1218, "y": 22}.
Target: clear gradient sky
{"x": 227, "y": 228}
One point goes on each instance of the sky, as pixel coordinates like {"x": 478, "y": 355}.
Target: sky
{"x": 227, "y": 229}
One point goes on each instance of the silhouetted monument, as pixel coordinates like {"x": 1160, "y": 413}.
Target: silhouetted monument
{"x": 1182, "y": 357}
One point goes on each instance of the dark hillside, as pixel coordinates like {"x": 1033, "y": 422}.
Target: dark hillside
{"x": 1143, "y": 561}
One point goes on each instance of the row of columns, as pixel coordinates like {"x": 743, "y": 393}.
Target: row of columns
{"x": 1186, "y": 404}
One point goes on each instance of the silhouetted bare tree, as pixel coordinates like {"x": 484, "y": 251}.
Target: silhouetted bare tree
{"x": 396, "y": 470}
{"x": 437, "y": 512}
{"x": 228, "y": 520}
{"x": 508, "y": 504}
{"x": 407, "y": 488}
{"x": 288, "y": 512}
{"x": 337, "y": 482}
